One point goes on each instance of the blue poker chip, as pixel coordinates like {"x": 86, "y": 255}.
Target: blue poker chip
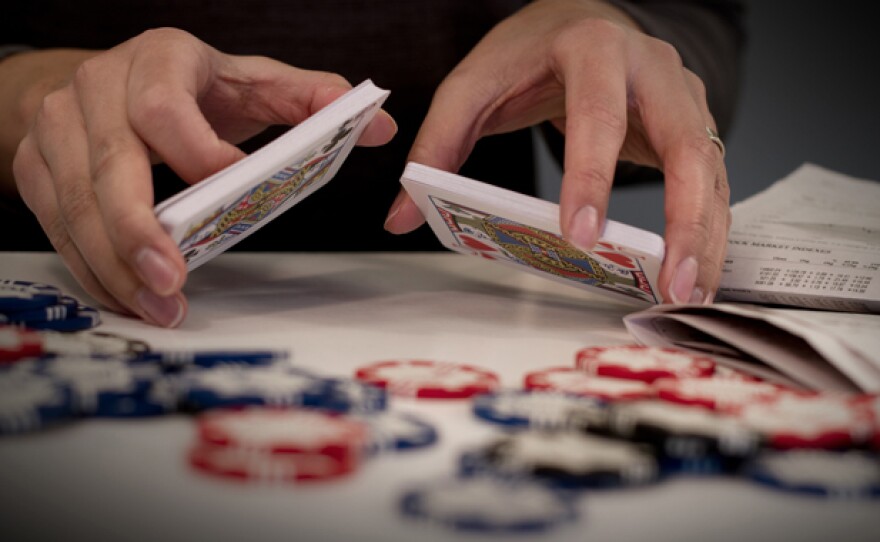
{"x": 179, "y": 360}
{"x": 22, "y": 295}
{"x": 30, "y": 401}
{"x": 346, "y": 395}
{"x": 852, "y": 474}
{"x": 395, "y": 431}
{"x": 82, "y": 321}
{"x": 110, "y": 387}
{"x": 538, "y": 409}
{"x": 489, "y": 505}
{"x": 49, "y": 313}
{"x": 234, "y": 385}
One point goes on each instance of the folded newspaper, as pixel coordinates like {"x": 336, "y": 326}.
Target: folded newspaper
{"x": 812, "y": 241}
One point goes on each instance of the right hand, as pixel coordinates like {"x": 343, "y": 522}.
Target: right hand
{"x": 84, "y": 166}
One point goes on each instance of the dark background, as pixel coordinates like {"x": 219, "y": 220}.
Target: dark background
{"x": 811, "y": 93}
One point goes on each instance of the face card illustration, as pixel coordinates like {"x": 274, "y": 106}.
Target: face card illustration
{"x": 610, "y": 268}
{"x": 273, "y": 195}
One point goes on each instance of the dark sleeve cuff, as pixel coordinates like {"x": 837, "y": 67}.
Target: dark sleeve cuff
{"x": 9, "y": 50}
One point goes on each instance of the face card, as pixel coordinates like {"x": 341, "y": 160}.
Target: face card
{"x": 213, "y": 215}
{"x": 480, "y": 221}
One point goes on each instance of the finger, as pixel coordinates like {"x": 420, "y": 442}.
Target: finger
{"x": 676, "y": 126}
{"x": 132, "y": 255}
{"x": 35, "y": 186}
{"x": 595, "y": 128}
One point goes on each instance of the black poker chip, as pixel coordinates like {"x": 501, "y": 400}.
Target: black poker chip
{"x": 565, "y": 459}
{"x": 686, "y": 438}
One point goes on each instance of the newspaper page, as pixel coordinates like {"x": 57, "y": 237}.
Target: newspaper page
{"x": 824, "y": 351}
{"x": 810, "y": 240}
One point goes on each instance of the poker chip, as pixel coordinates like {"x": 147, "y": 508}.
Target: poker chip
{"x": 16, "y": 295}
{"x": 428, "y": 379}
{"x": 285, "y": 431}
{"x": 565, "y": 459}
{"x": 92, "y": 343}
{"x": 537, "y": 408}
{"x": 17, "y": 344}
{"x": 715, "y": 393}
{"x": 178, "y": 360}
{"x": 110, "y": 387}
{"x": 831, "y": 474}
{"x": 686, "y": 438}
{"x": 234, "y": 385}
{"x": 488, "y": 505}
{"x": 251, "y": 466}
{"x": 31, "y": 401}
{"x": 85, "y": 318}
{"x": 645, "y": 363}
{"x": 578, "y": 382}
{"x": 396, "y": 431}
{"x": 352, "y": 396}
{"x": 824, "y": 421}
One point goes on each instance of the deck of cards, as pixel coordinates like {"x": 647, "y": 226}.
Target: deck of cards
{"x": 214, "y": 214}
{"x": 478, "y": 219}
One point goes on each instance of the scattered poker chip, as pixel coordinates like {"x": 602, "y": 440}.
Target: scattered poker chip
{"x": 397, "y": 431}
{"x": 285, "y": 431}
{"x": 234, "y": 385}
{"x": 645, "y": 363}
{"x": 537, "y": 408}
{"x": 579, "y": 382}
{"x": 18, "y": 295}
{"x": 489, "y": 505}
{"x": 91, "y": 343}
{"x": 252, "y": 466}
{"x": 31, "y": 401}
{"x": 564, "y": 459}
{"x": 825, "y": 421}
{"x": 85, "y": 318}
{"x": 49, "y": 313}
{"x": 17, "y": 344}
{"x": 723, "y": 372}
{"x": 110, "y": 387}
{"x": 177, "y": 360}
{"x": 352, "y": 396}
{"x": 832, "y": 474}
{"x": 686, "y": 438}
{"x": 716, "y": 393}
{"x": 429, "y": 379}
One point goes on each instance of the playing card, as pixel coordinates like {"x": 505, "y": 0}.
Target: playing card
{"x": 475, "y": 218}
{"x": 211, "y": 216}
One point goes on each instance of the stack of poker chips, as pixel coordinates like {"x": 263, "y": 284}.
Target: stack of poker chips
{"x": 42, "y": 306}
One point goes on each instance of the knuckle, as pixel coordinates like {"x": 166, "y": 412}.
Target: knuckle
{"x": 704, "y": 151}
{"x": 600, "y": 113}
{"x": 588, "y": 178}
{"x": 107, "y": 151}
{"x": 75, "y": 204}
{"x": 665, "y": 53}
{"x": 571, "y": 37}
{"x": 696, "y": 84}
{"x": 153, "y": 102}
{"x": 164, "y": 34}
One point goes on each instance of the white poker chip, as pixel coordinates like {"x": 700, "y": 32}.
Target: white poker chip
{"x": 810, "y": 421}
{"x": 838, "y": 475}
{"x": 716, "y": 393}
{"x": 235, "y": 385}
{"x": 645, "y": 363}
{"x": 539, "y": 409}
{"x": 429, "y": 379}
{"x": 91, "y": 343}
{"x": 579, "y": 382}
{"x": 483, "y": 504}
{"x": 29, "y": 401}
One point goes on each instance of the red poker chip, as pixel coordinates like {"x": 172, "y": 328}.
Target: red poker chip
{"x": 726, "y": 395}
{"x": 254, "y": 466}
{"x": 17, "y": 343}
{"x": 645, "y": 363}
{"x": 826, "y": 421}
{"x": 578, "y": 382}
{"x": 429, "y": 379}
{"x": 723, "y": 372}
{"x": 285, "y": 431}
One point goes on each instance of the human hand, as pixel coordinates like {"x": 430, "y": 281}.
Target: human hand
{"x": 616, "y": 94}
{"x": 84, "y": 166}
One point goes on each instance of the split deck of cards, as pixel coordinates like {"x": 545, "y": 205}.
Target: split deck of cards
{"x": 475, "y": 218}
{"x": 211, "y": 216}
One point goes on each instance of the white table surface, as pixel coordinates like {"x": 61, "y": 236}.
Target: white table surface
{"x": 128, "y": 480}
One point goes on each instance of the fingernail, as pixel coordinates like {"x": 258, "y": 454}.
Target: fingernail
{"x": 166, "y": 311}
{"x": 157, "y": 271}
{"x": 682, "y": 289}
{"x": 395, "y": 208}
{"x": 710, "y": 298}
{"x": 584, "y": 230}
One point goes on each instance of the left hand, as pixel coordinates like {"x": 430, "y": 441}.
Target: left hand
{"x": 617, "y": 94}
